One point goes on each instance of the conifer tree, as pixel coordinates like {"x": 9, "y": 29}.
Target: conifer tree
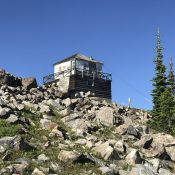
{"x": 159, "y": 81}
{"x": 171, "y": 77}
{"x": 166, "y": 119}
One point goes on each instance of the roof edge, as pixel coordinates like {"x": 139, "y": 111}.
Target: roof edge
{"x": 75, "y": 56}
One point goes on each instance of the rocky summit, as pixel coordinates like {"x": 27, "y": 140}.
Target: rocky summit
{"x": 47, "y": 131}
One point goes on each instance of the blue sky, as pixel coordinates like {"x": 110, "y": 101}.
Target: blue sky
{"x": 34, "y": 34}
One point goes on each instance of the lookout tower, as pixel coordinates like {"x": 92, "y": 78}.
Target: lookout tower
{"x": 84, "y": 74}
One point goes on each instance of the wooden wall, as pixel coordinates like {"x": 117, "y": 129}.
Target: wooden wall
{"x": 101, "y": 87}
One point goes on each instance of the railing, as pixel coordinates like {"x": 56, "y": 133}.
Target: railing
{"x": 82, "y": 72}
{"x": 100, "y": 75}
{"x": 55, "y": 76}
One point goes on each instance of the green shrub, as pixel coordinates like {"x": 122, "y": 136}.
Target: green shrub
{"x": 7, "y": 129}
{"x": 32, "y": 116}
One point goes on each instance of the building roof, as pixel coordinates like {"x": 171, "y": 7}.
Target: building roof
{"x": 80, "y": 57}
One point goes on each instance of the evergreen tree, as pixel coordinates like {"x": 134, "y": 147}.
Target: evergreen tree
{"x": 166, "y": 120}
{"x": 171, "y": 78}
{"x": 159, "y": 81}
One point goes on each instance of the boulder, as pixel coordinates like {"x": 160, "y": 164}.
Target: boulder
{"x": 44, "y": 109}
{"x": 43, "y": 158}
{"x": 123, "y": 172}
{"x": 142, "y": 129}
{"x": 56, "y": 133}
{"x": 20, "y": 107}
{"x": 162, "y": 147}
{"x": 66, "y": 102}
{"x": 81, "y": 142}
{"x": 95, "y": 160}
{"x": 157, "y": 151}
{"x": 12, "y": 119}
{"x": 133, "y": 157}
{"x": 171, "y": 152}
{"x": 144, "y": 142}
{"x": 155, "y": 163}
{"x": 89, "y": 144}
{"x": 6, "y": 140}
{"x": 120, "y": 147}
{"x": 122, "y": 129}
{"x": 105, "y": 116}
{"x": 95, "y": 102}
{"x": 115, "y": 169}
{"x": 30, "y": 105}
{"x": 65, "y": 111}
{"x": 29, "y": 83}
{"x": 106, "y": 152}
{"x": 141, "y": 170}
{"x": 3, "y": 112}
{"x": 54, "y": 103}
{"x": 81, "y": 127}
{"x": 8, "y": 170}
{"x": 68, "y": 156}
{"x": 48, "y": 124}
{"x": 8, "y": 79}
{"x": 2, "y": 149}
{"x": 2, "y": 103}
{"x": 70, "y": 117}
{"x": 106, "y": 170}
{"x": 37, "y": 172}
{"x": 19, "y": 143}
{"x": 63, "y": 85}
{"x": 165, "y": 172}
{"x": 132, "y": 131}
{"x": 89, "y": 94}
{"x": 163, "y": 139}
{"x": 79, "y": 95}
{"x": 20, "y": 167}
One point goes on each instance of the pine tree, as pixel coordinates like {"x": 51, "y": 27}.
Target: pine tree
{"x": 171, "y": 77}
{"x": 166, "y": 120}
{"x": 159, "y": 81}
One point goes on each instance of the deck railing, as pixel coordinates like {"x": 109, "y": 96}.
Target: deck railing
{"x": 82, "y": 72}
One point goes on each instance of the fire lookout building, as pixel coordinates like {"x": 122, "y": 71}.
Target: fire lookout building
{"x": 84, "y": 74}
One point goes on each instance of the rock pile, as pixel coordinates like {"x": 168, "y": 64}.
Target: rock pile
{"x": 10, "y": 80}
{"x": 44, "y": 131}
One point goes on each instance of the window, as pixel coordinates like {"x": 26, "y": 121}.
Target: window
{"x": 80, "y": 64}
{"x": 99, "y": 67}
{"x": 86, "y": 66}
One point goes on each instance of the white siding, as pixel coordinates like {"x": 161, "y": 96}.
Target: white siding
{"x": 80, "y": 64}
{"x": 63, "y": 67}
